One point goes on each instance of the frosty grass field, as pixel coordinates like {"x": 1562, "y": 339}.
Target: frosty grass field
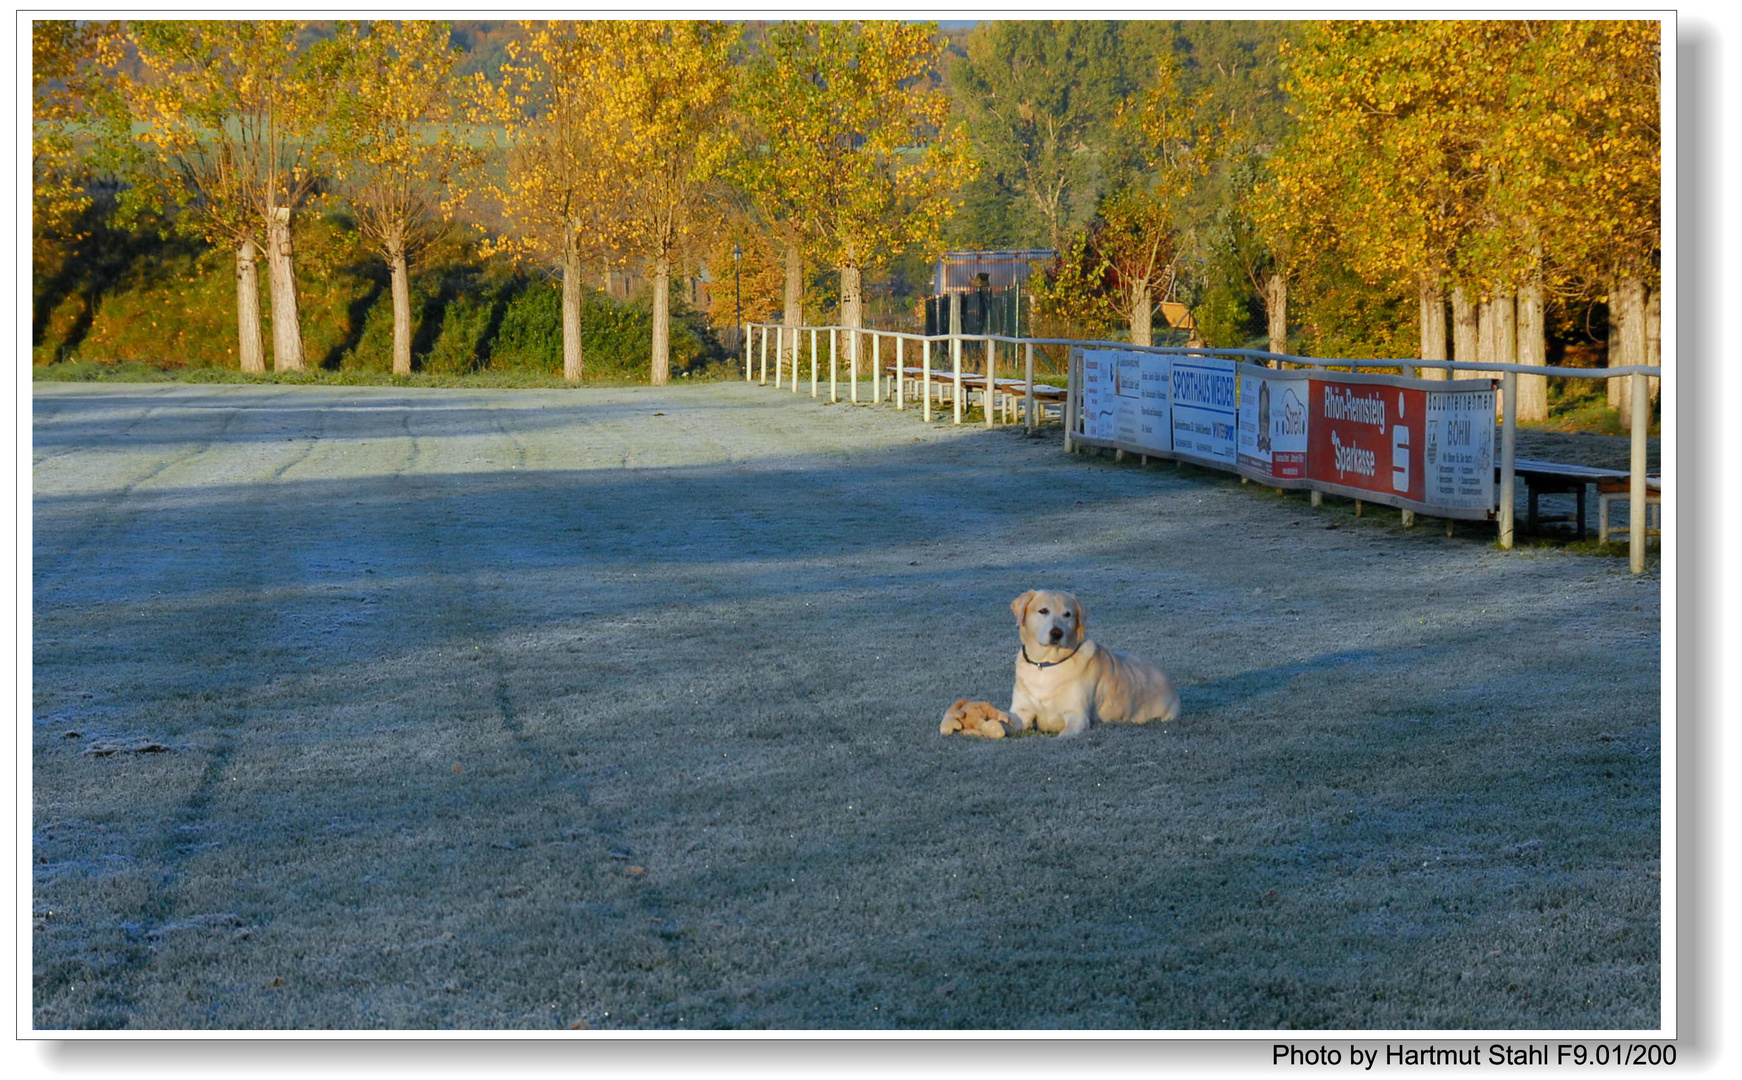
{"x": 389, "y": 708}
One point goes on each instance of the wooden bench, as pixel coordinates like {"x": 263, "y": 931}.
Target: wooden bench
{"x": 1555, "y": 478}
{"x": 1044, "y": 394}
{"x": 1609, "y": 491}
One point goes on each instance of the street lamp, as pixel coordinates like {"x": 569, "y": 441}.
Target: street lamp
{"x": 737, "y": 293}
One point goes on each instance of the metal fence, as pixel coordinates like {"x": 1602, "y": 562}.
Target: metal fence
{"x": 998, "y": 312}
{"x": 885, "y": 355}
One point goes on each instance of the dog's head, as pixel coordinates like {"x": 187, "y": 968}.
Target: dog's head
{"x": 1050, "y": 619}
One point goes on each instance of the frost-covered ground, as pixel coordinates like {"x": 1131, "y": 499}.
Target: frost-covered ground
{"x": 366, "y": 707}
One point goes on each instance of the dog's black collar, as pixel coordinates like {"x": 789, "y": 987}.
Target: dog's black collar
{"x": 1050, "y": 663}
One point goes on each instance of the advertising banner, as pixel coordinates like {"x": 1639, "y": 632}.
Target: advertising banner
{"x": 1096, "y": 411}
{"x": 1125, "y": 398}
{"x": 1459, "y": 455}
{"x": 1365, "y": 436}
{"x": 1272, "y": 441}
{"x": 1155, "y": 412}
{"x": 1203, "y": 409}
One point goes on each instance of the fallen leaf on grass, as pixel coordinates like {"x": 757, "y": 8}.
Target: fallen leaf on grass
{"x": 636, "y": 871}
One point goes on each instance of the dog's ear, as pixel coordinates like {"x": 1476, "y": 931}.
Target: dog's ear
{"x": 1019, "y": 606}
{"x": 1082, "y": 618}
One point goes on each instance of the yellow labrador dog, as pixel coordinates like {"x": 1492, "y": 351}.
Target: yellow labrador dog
{"x": 1064, "y": 681}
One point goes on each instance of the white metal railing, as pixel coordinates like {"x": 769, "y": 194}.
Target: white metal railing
{"x": 1639, "y": 417}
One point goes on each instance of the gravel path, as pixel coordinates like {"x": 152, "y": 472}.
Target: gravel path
{"x": 366, "y": 707}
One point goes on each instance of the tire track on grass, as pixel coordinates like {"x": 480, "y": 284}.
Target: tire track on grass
{"x": 116, "y": 512}
{"x": 65, "y": 405}
{"x": 168, "y": 856}
{"x": 121, "y": 972}
{"x": 470, "y": 612}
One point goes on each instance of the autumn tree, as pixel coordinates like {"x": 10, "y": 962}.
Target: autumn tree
{"x": 666, "y": 91}
{"x": 563, "y": 193}
{"x": 869, "y": 138}
{"x": 1581, "y": 173}
{"x": 1386, "y": 152}
{"x": 1231, "y": 264}
{"x": 786, "y": 139}
{"x": 1491, "y": 160}
{"x": 71, "y": 103}
{"x": 1178, "y": 135}
{"x": 397, "y": 145}
{"x": 234, "y": 109}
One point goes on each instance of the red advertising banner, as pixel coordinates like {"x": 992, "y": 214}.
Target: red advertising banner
{"x": 1365, "y": 434}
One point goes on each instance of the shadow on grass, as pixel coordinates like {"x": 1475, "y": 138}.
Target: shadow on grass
{"x": 672, "y": 732}
{"x": 1250, "y": 684}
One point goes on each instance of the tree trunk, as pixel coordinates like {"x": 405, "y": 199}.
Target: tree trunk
{"x": 249, "y": 343}
{"x": 661, "y": 368}
{"x": 1465, "y": 331}
{"x": 399, "y": 275}
{"x": 852, "y": 306}
{"x": 1276, "y": 312}
{"x": 1654, "y": 339}
{"x": 794, "y": 297}
{"x": 1626, "y": 342}
{"x": 1433, "y": 328}
{"x": 1533, "y": 350}
{"x": 1142, "y": 313}
{"x": 852, "y": 296}
{"x": 1485, "y": 335}
{"x": 1505, "y": 306}
{"x": 281, "y": 269}
{"x": 573, "y": 366}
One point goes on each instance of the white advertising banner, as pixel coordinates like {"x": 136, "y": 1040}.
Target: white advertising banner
{"x": 1125, "y": 398}
{"x": 1273, "y": 422}
{"x": 1094, "y": 408}
{"x": 1203, "y": 408}
{"x": 1155, "y": 419}
{"x": 1097, "y": 378}
{"x": 1459, "y": 456}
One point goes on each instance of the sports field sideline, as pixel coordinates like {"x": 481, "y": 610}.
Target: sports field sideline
{"x": 384, "y": 708}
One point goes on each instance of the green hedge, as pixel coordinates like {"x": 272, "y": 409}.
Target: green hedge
{"x": 123, "y": 298}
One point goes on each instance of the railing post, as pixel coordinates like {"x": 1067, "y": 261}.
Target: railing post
{"x": 834, "y": 365}
{"x": 1636, "y": 512}
{"x": 876, "y": 369}
{"x": 744, "y": 339}
{"x": 780, "y": 350}
{"x": 956, "y": 377}
{"x": 765, "y": 356}
{"x": 991, "y": 379}
{"x": 1070, "y": 416}
{"x": 1028, "y": 373}
{"x": 900, "y": 375}
{"x": 925, "y": 381}
{"x": 813, "y": 366}
{"x": 853, "y": 366}
{"x": 1508, "y": 454}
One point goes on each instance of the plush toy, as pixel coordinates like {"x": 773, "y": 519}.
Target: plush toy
{"x": 980, "y": 718}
